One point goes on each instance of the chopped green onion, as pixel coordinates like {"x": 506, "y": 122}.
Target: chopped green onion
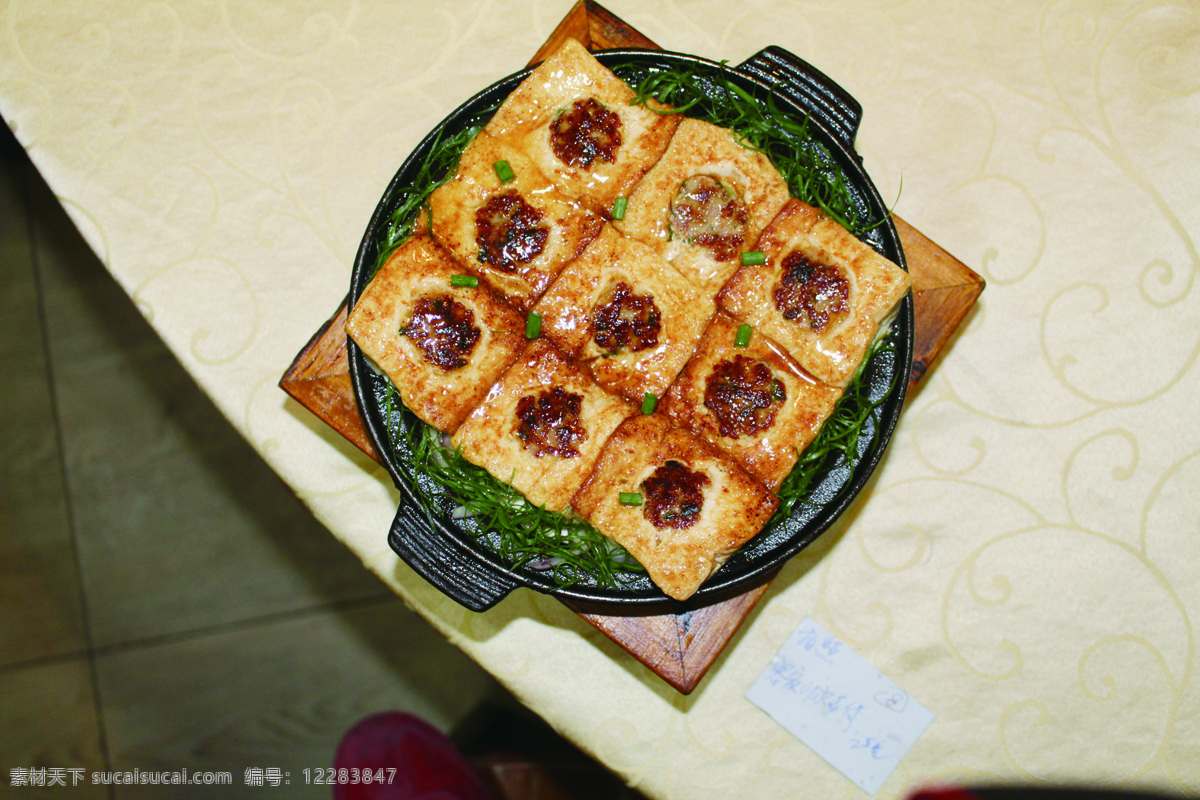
{"x": 629, "y": 498}
{"x": 504, "y": 172}
{"x": 533, "y": 325}
{"x": 753, "y": 257}
{"x": 743, "y": 335}
{"x": 649, "y": 401}
{"x": 464, "y": 280}
{"x": 618, "y": 211}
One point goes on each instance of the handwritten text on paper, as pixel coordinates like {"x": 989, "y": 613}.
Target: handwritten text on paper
{"x": 844, "y": 709}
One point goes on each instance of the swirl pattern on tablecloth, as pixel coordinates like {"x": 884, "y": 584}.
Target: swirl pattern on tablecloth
{"x": 1024, "y": 563}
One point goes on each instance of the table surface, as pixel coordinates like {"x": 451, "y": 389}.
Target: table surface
{"x": 1025, "y": 563}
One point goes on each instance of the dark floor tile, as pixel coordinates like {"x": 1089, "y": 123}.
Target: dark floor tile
{"x": 48, "y": 722}
{"x": 179, "y": 524}
{"x": 40, "y": 609}
{"x": 279, "y": 696}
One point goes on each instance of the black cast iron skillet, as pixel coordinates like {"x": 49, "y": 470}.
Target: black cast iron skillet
{"x": 452, "y": 558}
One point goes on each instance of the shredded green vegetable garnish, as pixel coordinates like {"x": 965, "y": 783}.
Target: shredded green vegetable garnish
{"x": 437, "y": 168}
{"x": 564, "y": 546}
{"x": 838, "y": 440}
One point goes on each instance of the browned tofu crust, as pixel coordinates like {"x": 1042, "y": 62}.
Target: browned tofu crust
{"x": 541, "y": 426}
{"x": 518, "y": 233}
{"x": 753, "y": 402}
{"x": 697, "y": 506}
{"x": 572, "y": 116}
{"x": 628, "y": 315}
{"x": 705, "y": 202}
{"x": 822, "y": 292}
{"x": 442, "y": 346}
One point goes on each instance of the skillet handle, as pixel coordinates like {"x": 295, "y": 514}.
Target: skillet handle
{"x": 830, "y": 104}
{"x": 444, "y": 562}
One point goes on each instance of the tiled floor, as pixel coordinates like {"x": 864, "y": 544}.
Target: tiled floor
{"x": 165, "y": 602}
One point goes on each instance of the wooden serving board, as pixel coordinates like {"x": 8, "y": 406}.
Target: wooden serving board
{"x": 679, "y": 648}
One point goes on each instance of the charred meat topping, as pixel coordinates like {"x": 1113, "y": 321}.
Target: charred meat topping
{"x": 674, "y": 496}
{"x": 627, "y": 320}
{"x": 549, "y": 423}
{"x": 744, "y": 395}
{"x": 587, "y": 132}
{"x": 509, "y": 231}
{"x": 811, "y": 292}
{"x": 443, "y": 329}
{"x": 708, "y": 213}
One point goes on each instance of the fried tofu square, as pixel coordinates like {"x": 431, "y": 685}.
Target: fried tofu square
{"x": 678, "y": 505}
{"x": 753, "y": 402}
{"x": 541, "y": 426}
{"x": 573, "y": 117}
{"x": 441, "y": 345}
{"x": 500, "y": 217}
{"x": 628, "y": 315}
{"x": 705, "y": 202}
{"x": 822, "y": 293}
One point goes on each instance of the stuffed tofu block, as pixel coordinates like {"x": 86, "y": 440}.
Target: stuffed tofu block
{"x": 575, "y": 120}
{"x": 705, "y": 202}
{"x": 541, "y": 426}
{"x": 502, "y": 219}
{"x": 626, "y": 314}
{"x": 743, "y": 393}
{"x": 821, "y": 292}
{"x": 679, "y": 505}
{"x": 442, "y": 337}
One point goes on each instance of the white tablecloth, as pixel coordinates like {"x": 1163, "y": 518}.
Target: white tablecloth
{"x": 1026, "y": 564}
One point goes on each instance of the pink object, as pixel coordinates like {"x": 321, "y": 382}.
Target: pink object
{"x": 423, "y": 764}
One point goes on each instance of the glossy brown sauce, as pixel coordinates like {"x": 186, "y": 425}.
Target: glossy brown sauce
{"x": 627, "y": 320}
{"x": 443, "y": 329}
{"x": 585, "y": 133}
{"x": 708, "y": 213}
{"x": 811, "y": 292}
{"x": 744, "y": 395}
{"x": 549, "y": 423}
{"x": 509, "y": 231}
{"x": 673, "y": 496}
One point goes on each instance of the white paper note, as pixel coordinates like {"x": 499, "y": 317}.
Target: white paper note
{"x": 848, "y": 712}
